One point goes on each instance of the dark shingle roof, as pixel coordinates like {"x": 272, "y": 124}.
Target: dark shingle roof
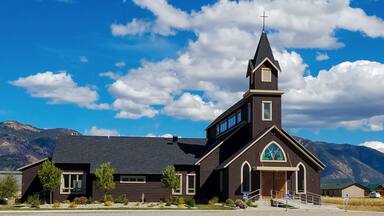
{"x": 128, "y": 155}
{"x": 340, "y": 186}
{"x": 263, "y": 51}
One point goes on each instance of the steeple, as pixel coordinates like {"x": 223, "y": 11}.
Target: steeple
{"x": 263, "y": 53}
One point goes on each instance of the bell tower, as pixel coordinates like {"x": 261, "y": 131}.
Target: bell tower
{"x": 263, "y": 94}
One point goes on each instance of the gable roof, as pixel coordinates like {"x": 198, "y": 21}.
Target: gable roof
{"x": 32, "y": 164}
{"x": 300, "y": 147}
{"x": 340, "y": 186}
{"x": 262, "y": 53}
{"x": 128, "y": 155}
{"x": 374, "y": 186}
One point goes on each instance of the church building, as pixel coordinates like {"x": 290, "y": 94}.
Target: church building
{"x": 245, "y": 152}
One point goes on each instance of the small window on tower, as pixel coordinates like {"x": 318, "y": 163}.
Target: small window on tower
{"x": 266, "y": 75}
{"x": 267, "y": 110}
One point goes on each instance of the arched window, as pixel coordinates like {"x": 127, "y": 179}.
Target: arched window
{"x": 245, "y": 177}
{"x": 273, "y": 152}
{"x": 301, "y": 179}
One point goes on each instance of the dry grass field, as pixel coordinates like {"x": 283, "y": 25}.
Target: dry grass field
{"x": 361, "y": 204}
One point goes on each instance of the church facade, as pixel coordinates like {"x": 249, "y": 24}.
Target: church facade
{"x": 245, "y": 151}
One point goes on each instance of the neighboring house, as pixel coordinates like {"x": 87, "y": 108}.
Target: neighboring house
{"x": 340, "y": 190}
{"x": 16, "y": 174}
{"x": 245, "y": 150}
{"x": 376, "y": 187}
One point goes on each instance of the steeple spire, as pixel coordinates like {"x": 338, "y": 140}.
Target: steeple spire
{"x": 263, "y": 51}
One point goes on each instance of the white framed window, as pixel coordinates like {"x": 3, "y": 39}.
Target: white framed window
{"x": 273, "y": 152}
{"x": 178, "y": 191}
{"x": 245, "y": 177}
{"x": 132, "y": 179}
{"x": 266, "y": 110}
{"x": 301, "y": 183}
{"x": 266, "y": 75}
{"x": 191, "y": 184}
{"x": 72, "y": 183}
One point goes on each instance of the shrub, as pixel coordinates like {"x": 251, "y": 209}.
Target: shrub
{"x": 239, "y": 203}
{"x": 81, "y": 200}
{"x": 229, "y": 202}
{"x": 56, "y": 204}
{"x": 174, "y": 200}
{"x": 66, "y": 201}
{"x": 8, "y": 187}
{"x": 72, "y": 205}
{"x": 108, "y": 197}
{"x": 90, "y": 200}
{"x": 213, "y": 201}
{"x": 191, "y": 202}
{"x": 251, "y": 204}
{"x": 180, "y": 201}
{"x": 108, "y": 203}
{"x": 34, "y": 201}
{"x": 122, "y": 199}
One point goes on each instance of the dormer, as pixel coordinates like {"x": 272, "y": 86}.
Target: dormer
{"x": 263, "y": 69}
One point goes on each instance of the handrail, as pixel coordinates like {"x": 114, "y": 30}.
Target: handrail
{"x": 254, "y": 194}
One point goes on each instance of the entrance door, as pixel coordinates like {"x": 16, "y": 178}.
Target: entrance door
{"x": 273, "y": 180}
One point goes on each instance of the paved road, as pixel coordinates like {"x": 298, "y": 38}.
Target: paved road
{"x": 323, "y": 212}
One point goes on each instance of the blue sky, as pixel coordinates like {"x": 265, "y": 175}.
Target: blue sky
{"x": 166, "y": 56}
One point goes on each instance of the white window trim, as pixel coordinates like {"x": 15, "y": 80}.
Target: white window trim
{"x": 273, "y": 161}
{"x": 266, "y": 79}
{"x": 132, "y": 182}
{"x": 262, "y": 110}
{"x": 187, "y": 185}
{"x": 180, "y": 186}
{"x": 249, "y": 176}
{"x": 297, "y": 179}
{"x": 73, "y": 173}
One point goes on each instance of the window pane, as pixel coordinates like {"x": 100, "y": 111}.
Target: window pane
{"x": 273, "y": 152}
{"x": 267, "y": 111}
{"x": 238, "y": 116}
{"x": 217, "y": 129}
{"x": 191, "y": 181}
{"x": 300, "y": 180}
{"x": 266, "y": 75}
{"x": 223, "y": 126}
{"x": 66, "y": 181}
{"x": 232, "y": 121}
{"x": 246, "y": 178}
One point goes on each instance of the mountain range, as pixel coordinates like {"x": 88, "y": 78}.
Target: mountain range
{"x": 21, "y": 144}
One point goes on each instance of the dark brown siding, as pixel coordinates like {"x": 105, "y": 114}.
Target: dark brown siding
{"x": 30, "y": 181}
{"x": 294, "y": 156}
{"x": 257, "y": 84}
{"x": 257, "y": 122}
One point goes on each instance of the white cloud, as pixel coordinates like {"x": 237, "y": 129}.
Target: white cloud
{"x": 192, "y": 107}
{"x": 214, "y": 64}
{"x": 304, "y": 24}
{"x": 321, "y": 56}
{"x": 348, "y": 95}
{"x": 167, "y": 135}
{"x": 94, "y": 131}
{"x": 120, "y": 64}
{"x": 83, "y": 59}
{"x": 377, "y": 145}
{"x": 59, "y": 88}
{"x": 132, "y": 28}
